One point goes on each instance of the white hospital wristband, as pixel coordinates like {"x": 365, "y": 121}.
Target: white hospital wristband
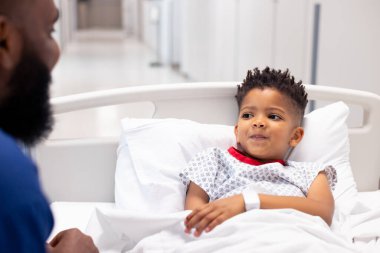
{"x": 251, "y": 199}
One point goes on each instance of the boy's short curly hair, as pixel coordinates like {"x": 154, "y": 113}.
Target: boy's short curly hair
{"x": 275, "y": 79}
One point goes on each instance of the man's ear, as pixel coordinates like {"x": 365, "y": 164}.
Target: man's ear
{"x": 10, "y": 44}
{"x": 297, "y": 136}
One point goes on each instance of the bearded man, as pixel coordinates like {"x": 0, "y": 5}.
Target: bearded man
{"x": 28, "y": 53}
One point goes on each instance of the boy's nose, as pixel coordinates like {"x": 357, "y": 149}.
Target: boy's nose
{"x": 258, "y": 124}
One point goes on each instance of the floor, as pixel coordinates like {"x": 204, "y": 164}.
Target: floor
{"x": 99, "y": 60}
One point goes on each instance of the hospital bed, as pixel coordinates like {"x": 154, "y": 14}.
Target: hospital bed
{"x": 78, "y": 175}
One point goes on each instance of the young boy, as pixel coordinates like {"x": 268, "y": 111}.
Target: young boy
{"x": 255, "y": 174}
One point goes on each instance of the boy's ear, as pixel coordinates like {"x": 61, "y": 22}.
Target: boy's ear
{"x": 236, "y": 130}
{"x": 296, "y": 136}
{"x": 10, "y": 44}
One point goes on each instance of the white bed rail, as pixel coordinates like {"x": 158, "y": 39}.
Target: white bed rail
{"x": 83, "y": 169}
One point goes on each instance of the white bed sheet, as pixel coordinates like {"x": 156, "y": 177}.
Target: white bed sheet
{"x": 370, "y": 199}
{"x": 74, "y": 214}
{"x": 363, "y": 223}
{"x": 115, "y": 230}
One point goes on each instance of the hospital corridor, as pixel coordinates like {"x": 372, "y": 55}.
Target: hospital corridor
{"x": 106, "y": 59}
{"x": 98, "y": 60}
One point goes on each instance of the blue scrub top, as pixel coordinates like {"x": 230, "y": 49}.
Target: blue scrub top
{"x": 25, "y": 217}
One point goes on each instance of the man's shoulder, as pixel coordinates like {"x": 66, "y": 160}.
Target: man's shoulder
{"x": 8, "y": 147}
{"x": 11, "y": 155}
{"x": 24, "y": 207}
{"x": 18, "y": 174}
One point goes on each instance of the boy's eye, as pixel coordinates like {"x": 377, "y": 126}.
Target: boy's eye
{"x": 247, "y": 115}
{"x": 274, "y": 117}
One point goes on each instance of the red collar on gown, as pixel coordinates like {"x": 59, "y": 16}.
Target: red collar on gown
{"x": 245, "y": 159}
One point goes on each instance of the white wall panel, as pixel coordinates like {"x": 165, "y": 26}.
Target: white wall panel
{"x": 255, "y": 36}
{"x": 350, "y": 44}
{"x": 175, "y": 37}
{"x": 196, "y": 39}
{"x": 223, "y": 40}
{"x": 149, "y": 21}
{"x": 130, "y": 17}
{"x": 290, "y": 37}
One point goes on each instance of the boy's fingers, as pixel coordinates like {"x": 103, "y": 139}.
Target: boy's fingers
{"x": 207, "y": 220}
{"x": 218, "y": 220}
{"x": 187, "y": 231}
{"x": 191, "y": 215}
{"x": 194, "y": 212}
{"x": 198, "y": 216}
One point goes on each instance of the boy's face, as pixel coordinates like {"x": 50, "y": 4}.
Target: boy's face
{"x": 267, "y": 125}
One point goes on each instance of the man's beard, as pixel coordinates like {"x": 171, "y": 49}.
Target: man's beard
{"x": 26, "y": 112}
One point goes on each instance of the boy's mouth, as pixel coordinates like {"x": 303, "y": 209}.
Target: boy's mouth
{"x": 258, "y": 137}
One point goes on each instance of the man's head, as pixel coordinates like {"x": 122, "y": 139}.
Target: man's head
{"x": 28, "y": 53}
{"x": 271, "y": 106}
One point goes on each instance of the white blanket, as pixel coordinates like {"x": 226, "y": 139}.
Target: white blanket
{"x": 283, "y": 230}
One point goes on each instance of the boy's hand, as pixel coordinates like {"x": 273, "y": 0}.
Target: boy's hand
{"x": 208, "y": 216}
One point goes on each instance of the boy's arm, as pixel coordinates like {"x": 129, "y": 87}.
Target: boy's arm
{"x": 195, "y": 197}
{"x": 319, "y": 200}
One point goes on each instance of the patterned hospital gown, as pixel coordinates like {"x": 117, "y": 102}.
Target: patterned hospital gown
{"x": 221, "y": 175}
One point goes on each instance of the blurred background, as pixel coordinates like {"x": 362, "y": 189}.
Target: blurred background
{"x": 117, "y": 43}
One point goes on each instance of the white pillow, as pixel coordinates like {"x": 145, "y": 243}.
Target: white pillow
{"x": 326, "y": 141}
{"x": 151, "y": 155}
{"x": 152, "y": 152}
